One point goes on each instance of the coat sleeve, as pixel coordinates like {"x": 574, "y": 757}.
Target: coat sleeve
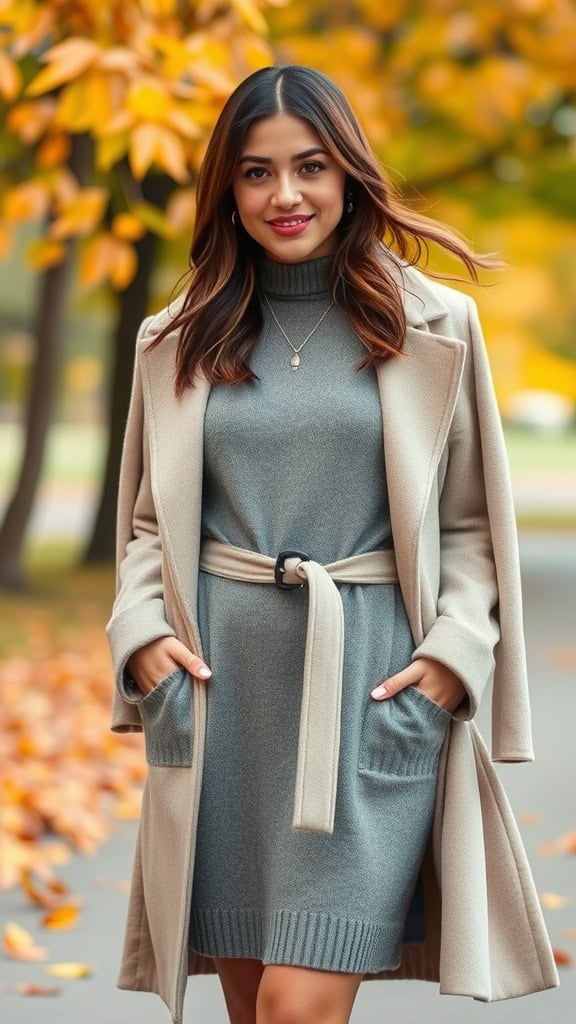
{"x": 138, "y": 614}
{"x": 478, "y": 632}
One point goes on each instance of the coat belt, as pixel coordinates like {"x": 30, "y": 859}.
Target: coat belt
{"x": 319, "y": 737}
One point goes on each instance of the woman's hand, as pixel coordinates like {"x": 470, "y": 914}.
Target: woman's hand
{"x": 432, "y": 677}
{"x": 149, "y": 665}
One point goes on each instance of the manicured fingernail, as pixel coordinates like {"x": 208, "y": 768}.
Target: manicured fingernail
{"x": 379, "y": 691}
{"x": 205, "y": 671}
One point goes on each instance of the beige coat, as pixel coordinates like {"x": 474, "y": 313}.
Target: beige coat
{"x": 456, "y": 551}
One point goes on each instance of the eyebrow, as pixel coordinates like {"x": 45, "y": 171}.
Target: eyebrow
{"x": 297, "y": 156}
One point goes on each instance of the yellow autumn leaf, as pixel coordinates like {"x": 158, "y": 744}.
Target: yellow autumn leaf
{"x": 127, "y": 227}
{"x": 123, "y": 266}
{"x": 66, "y": 60}
{"x": 54, "y": 150}
{"x": 170, "y": 155}
{"x": 181, "y": 209}
{"x": 109, "y": 149}
{"x": 45, "y": 253}
{"x": 69, "y": 969}
{"x": 251, "y": 16}
{"x": 64, "y": 916}
{"x": 142, "y": 149}
{"x": 10, "y": 78}
{"x": 81, "y": 214}
{"x": 28, "y": 201}
{"x": 5, "y": 242}
{"x": 95, "y": 260}
{"x": 148, "y": 100}
{"x": 19, "y": 944}
{"x": 30, "y": 119}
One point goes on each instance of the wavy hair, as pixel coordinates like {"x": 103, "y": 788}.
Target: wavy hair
{"x": 220, "y": 318}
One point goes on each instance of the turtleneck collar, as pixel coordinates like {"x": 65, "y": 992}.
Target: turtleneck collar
{"x": 305, "y": 279}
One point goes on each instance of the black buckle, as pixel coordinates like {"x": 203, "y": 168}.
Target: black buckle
{"x": 279, "y": 568}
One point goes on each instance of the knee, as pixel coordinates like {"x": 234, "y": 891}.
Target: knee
{"x": 281, "y": 1004}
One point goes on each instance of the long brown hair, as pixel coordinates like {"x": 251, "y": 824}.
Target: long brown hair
{"x": 221, "y": 318}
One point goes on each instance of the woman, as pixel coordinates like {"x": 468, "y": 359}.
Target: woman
{"x": 317, "y": 579}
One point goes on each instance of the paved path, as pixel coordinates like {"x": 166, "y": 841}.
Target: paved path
{"x": 545, "y": 788}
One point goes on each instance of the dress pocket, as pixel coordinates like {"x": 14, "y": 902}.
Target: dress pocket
{"x": 166, "y": 713}
{"x": 403, "y": 735}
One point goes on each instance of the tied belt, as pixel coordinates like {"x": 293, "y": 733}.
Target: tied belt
{"x": 319, "y": 736}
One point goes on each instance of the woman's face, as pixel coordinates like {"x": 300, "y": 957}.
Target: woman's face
{"x": 289, "y": 190}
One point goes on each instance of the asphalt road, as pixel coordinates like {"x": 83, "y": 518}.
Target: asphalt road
{"x": 542, "y": 796}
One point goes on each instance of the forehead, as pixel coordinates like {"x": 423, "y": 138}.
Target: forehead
{"x": 280, "y": 135}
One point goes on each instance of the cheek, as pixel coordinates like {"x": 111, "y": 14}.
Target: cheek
{"x": 250, "y": 201}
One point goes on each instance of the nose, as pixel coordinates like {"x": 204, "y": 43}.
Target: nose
{"x": 286, "y": 194}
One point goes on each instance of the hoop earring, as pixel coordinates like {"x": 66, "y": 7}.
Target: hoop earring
{"x": 234, "y": 217}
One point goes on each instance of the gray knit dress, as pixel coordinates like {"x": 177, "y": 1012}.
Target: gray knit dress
{"x": 295, "y": 460}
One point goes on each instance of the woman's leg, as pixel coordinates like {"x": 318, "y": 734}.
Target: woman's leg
{"x": 239, "y": 978}
{"x": 300, "y": 995}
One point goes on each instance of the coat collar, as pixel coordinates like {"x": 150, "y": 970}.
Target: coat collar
{"x": 417, "y": 390}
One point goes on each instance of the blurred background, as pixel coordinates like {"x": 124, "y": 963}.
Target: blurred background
{"x": 107, "y": 106}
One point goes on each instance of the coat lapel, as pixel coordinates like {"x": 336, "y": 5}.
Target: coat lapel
{"x": 176, "y": 430}
{"x": 418, "y": 394}
{"x": 417, "y": 391}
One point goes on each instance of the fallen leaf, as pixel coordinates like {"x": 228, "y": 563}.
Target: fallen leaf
{"x": 50, "y": 895}
{"x": 561, "y": 958}
{"x": 552, "y": 901}
{"x": 19, "y": 944}
{"x": 32, "y": 988}
{"x": 567, "y": 843}
{"x": 530, "y": 818}
{"x": 72, "y": 969}
{"x": 60, "y": 917}
{"x": 123, "y": 885}
{"x": 548, "y": 849}
{"x": 568, "y": 933}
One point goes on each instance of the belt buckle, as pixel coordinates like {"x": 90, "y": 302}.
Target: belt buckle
{"x": 279, "y": 569}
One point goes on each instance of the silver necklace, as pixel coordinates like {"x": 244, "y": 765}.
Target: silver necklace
{"x": 295, "y": 358}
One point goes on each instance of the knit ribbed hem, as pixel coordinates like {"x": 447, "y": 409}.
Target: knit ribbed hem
{"x": 298, "y": 938}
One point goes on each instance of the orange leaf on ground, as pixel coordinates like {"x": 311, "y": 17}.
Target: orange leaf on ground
{"x": 19, "y": 944}
{"x": 32, "y": 988}
{"x": 567, "y": 843}
{"x": 50, "y": 896}
{"x": 552, "y": 901}
{"x": 60, "y": 917}
{"x": 71, "y": 970}
{"x": 530, "y": 818}
{"x": 561, "y": 958}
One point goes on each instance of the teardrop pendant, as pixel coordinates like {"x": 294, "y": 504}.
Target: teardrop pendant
{"x": 295, "y": 361}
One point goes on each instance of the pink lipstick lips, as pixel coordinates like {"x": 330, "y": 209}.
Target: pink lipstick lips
{"x": 289, "y": 226}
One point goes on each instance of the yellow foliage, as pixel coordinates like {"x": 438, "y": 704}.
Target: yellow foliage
{"x": 30, "y": 120}
{"x": 67, "y": 60}
{"x": 124, "y": 265}
{"x": 10, "y": 77}
{"x": 54, "y": 150}
{"x": 45, "y": 253}
{"x": 28, "y": 201}
{"x": 5, "y": 241}
{"x": 80, "y": 214}
{"x": 109, "y": 149}
{"x": 153, "y": 144}
{"x": 127, "y": 227}
{"x": 147, "y": 100}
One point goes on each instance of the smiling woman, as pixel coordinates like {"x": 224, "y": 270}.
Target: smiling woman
{"x": 282, "y": 193}
{"x": 324, "y": 543}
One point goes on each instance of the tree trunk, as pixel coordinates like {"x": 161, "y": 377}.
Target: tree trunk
{"x": 47, "y": 337}
{"x": 133, "y": 306}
